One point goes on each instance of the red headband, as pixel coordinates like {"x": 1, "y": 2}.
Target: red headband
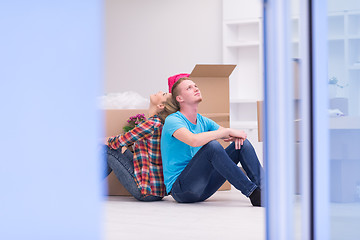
{"x": 173, "y": 79}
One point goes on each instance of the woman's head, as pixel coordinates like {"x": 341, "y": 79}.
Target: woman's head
{"x": 169, "y": 107}
{"x": 158, "y": 100}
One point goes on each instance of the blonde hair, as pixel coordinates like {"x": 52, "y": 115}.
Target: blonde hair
{"x": 169, "y": 107}
{"x": 171, "y": 104}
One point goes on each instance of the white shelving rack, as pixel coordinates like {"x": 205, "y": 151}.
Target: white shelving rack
{"x": 243, "y": 46}
{"x": 295, "y": 36}
{"x": 344, "y": 55}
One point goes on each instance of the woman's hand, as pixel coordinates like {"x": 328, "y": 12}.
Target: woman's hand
{"x": 123, "y": 149}
{"x": 105, "y": 141}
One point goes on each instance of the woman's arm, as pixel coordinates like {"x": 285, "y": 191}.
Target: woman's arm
{"x": 200, "y": 139}
{"x": 144, "y": 130}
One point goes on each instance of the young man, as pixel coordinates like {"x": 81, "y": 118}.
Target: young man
{"x": 195, "y": 165}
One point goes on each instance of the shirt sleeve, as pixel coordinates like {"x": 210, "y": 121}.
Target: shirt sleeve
{"x": 173, "y": 123}
{"x": 144, "y": 130}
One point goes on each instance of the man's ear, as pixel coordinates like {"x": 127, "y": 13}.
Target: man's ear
{"x": 179, "y": 98}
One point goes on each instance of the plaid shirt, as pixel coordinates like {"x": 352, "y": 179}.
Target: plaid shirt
{"x": 148, "y": 169}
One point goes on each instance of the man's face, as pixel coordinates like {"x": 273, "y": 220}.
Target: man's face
{"x": 188, "y": 92}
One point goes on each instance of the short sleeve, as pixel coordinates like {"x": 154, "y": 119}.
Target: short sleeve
{"x": 173, "y": 123}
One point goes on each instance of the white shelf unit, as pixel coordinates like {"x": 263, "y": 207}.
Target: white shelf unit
{"x": 344, "y": 55}
{"x": 295, "y": 37}
{"x": 242, "y": 45}
{"x": 243, "y": 115}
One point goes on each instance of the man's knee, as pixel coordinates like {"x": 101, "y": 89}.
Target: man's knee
{"x": 214, "y": 145}
{"x": 247, "y": 143}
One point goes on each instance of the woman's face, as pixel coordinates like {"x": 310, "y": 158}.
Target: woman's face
{"x": 159, "y": 97}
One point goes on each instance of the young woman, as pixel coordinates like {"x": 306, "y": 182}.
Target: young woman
{"x": 140, "y": 173}
{"x": 195, "y": 165}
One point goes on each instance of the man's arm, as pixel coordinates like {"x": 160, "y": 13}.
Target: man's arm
{"x": 200, "y": 139}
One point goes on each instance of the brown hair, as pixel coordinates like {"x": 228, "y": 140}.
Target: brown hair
{"x": 172, "y": 105}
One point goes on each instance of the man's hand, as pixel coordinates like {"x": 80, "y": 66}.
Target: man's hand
{"x": 238, "y": 141}
{"x": 237, "y": 136}
{"x": 237, "y": 133}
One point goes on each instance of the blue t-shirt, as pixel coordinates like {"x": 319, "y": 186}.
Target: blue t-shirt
{"x": 176, "y": 154}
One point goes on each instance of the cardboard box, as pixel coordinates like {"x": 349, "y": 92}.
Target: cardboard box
{"x": 213, "y": 81}
{"x": 115, "y": 120}
{"x": 260, "y": 117}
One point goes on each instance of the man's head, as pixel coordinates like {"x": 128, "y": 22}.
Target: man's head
{"x": 185, "y": 91}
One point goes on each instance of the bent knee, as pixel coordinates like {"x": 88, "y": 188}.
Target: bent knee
{"x": 247, "y": 143}
{"x": 215, "y": 145}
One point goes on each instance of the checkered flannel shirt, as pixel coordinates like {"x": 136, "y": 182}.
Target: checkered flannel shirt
{"x": 148, "y": 169}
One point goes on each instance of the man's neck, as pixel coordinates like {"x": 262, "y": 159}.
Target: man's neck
{"x": 190, "y": 112}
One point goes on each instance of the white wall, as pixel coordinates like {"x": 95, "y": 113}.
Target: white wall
{"x": 149, "y": 40}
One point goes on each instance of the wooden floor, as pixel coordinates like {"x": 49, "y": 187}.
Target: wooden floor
{"x": 226, "y": 215}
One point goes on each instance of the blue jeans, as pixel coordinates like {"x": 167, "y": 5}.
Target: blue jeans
{"x": 211, "y": 166}
{"x": 123, "y": 166}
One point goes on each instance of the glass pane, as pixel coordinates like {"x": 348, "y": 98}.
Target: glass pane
{"x": 344, "y": 117}
{"x": 295, "y": 55}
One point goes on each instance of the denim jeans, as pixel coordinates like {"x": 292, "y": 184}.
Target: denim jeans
{"x": 123, "y": 166}
{"x": 211, "y": 166}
